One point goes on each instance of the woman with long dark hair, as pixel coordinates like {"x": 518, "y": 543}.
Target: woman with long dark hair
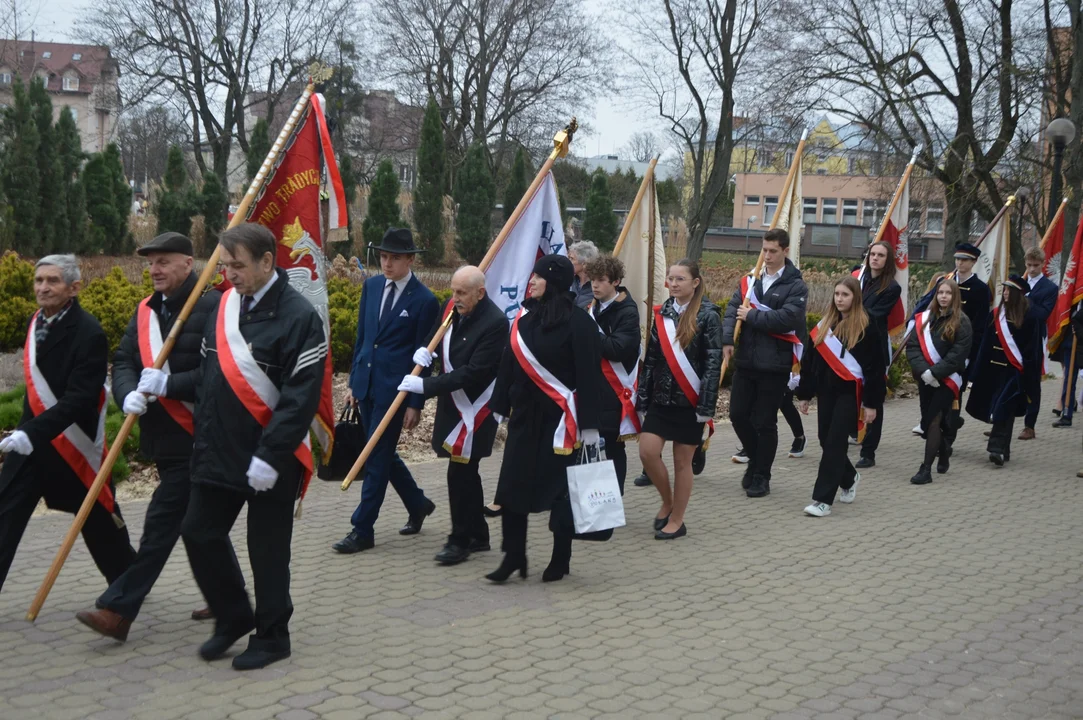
{"x": 1008, "y": 369}
{"x": 548, "y": 389}
{"x": 937, "y": 350}
{"x": 843, "y": 368}
{"x": 678, "y": 389}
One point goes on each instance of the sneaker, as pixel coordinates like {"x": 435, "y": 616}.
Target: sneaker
{"x": 798, "y": 448}
{"x": 848, "y": 496}
{"x": 1063, "y": 422}
{"x": 739, "y": 456}
{"x": 853, "y": 440}
{"x": 916, "y": 429}
{"x": 642, "y": 480}
{"x": 817, "y": 509}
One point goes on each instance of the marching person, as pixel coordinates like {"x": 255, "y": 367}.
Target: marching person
{"x": 166, "y": 426}
{"x": 264, "y": 354}
{"x": 617, "y": 316}
{"x": 464, "y": 428}
{"x": 1008, "y": 369}
{"x": 582, "y": 254}
{"x": 1041, "y": 298}
{"x": 843, "y": 368}
{"x": 678, "y": 390}
{"x": 59, "y": 445}
{"x": 548, "y": 389}
{"x": 879, "y": 294}
{"x": 396, "y": 314}
{"x": 937, "y": 351}
{"x": 770, "y": 343}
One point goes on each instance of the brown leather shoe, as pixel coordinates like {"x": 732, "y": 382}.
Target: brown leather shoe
{"x": 203, "y": 614}
{"x": 106, "y": 622}
{"x": 1027, "y": 434}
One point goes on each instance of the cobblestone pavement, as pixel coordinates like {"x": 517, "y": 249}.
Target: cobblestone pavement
{"x": 957, "y": 598}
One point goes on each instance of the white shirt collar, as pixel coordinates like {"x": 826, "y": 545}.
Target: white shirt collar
{"x": 400, "y": 285}
{"x": 680, "y": 308}
{"x": 258, "y": 295}
{"x": 960, "y": 279}
{"x": 1032, "y": 281}
{"x": 602, "y": 306}
{"x": 772, "y": 276}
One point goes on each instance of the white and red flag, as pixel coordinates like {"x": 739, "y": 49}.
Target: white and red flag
{"x": 1071, "y": 292}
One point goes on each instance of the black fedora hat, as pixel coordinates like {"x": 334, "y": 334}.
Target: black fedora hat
{"x": 399, "y": 241}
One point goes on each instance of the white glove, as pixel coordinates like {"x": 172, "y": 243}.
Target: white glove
{"x": 702, "y": 418}
{"x": 499, "y": 418}
{"x": 928, "y": 379}
{"x": 152, "y": 382}
{"x": 135, "y": 403}
{"x": 795, "y": 380}
{"x": 261, "y": 476}
{"x": 412, "y": 384}
{"x": 591, "y": 437}
{"x": 422, "y": 357}
{"x": 17, "y": 442}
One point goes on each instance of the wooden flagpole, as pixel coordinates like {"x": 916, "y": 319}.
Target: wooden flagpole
{"x": 758, "y": 270}
{"x": 648, "y": 181}
{"x": 561, "y": 143}
{"x": 317, "y": 74}
{"x": 651, "y": 240}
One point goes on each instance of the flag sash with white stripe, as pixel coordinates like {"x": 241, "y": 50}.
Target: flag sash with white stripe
{"x": 625, "y": 385}
{"x": 1004, "y": 333}
{"x": 678, "y": 363}
{"x": 567, "y": 432}
{"x": 844, "y": 364}
{"x": 928, "y": 349}
{"x": 460, "y": 441}
{"x": 149, "y": 332}
{"x": 748, "y": 290}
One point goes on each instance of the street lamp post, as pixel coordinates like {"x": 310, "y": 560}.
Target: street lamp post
{"x": 748, "y": 226}
{"x": 1060, "y": 132}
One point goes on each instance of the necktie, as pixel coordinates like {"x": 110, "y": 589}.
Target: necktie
{"x": 389, "y": 300}
{"x": 163, "y": 313}
{"x": 41, "y": 331}
{"x": 246, "y": 304}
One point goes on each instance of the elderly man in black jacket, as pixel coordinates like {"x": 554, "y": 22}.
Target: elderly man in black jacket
{"x": 773, "y": 322}
{"x": 465, "y": 427}
{"x": 58, "y": 447}
{"x": 261, "y": 376}
{"x": 166, "y": 426}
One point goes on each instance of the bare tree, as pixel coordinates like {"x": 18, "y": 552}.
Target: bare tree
{"x": 643, "y": 146}
{"x": 144, "y": 136}
{"x": 213, "y": 55}
{"x": 501, "y": 72}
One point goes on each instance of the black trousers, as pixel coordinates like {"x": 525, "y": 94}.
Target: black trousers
{"x": 754, "y": 402}
{"x": 1000, "y": 437}
{"x": 873, "y": 432}
{"x": 617, "y": 451}
{"x": 513, "y": 527}
{"x": 792, "y": 414}
{"x": 836, "y": 419}
{"x": 465, "y": 499}
{"x": 212, "y": 510}
{"x": 23, "y": 483}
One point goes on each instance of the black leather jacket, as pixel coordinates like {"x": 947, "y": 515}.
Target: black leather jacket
{"x": 656, "y": 381}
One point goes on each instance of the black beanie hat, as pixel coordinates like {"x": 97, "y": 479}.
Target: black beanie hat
{"x": 556, "y": 270}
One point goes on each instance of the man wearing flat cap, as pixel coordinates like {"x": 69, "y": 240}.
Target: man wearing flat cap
{"x": 396, "y": 316}
{"x": 163, "y": 400}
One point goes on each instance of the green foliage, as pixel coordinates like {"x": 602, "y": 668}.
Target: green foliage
{"x": 113, "y": 301}
{"x": 623, "y": 187}
{"x": 69, "y": 150}
{"x": 178, "y": 202}
{"x": 121, "y": 243}
{"x": 52, "y": 205}
{"x": 669, "y": 199}
{"x": 517, "y": 183}
{"x": 599, "y": 222}
{"x": 17, "y": 302}
{"x": 384, "y": 210}
{"x": 574, "y": 182}
{"x": 475, "y": 194}
{"x": 349, "y": 188}
{"x": 213, "y": 204}
{"x": 259, "y": 144}
{"x": 19, "y": 172}
{"x": 563, "y": 207}
{"x": 101, "y": 207}
{"x": 175, "y": 175}
{"x": 343, "y": 301}
{"x": 11, "y": 407}
{"x": 431, "y": 186}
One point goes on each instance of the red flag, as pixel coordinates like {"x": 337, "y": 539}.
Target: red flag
{"x": 288, "y": 204}
{"x": 1053, "y": 248}
{"x": 1071, "y": 292}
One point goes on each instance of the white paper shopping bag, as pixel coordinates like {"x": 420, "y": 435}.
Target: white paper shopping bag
{"x": 595, "y": 497}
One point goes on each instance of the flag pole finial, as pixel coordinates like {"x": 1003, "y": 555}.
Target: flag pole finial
{"x": 319, "y": 73}
{"x": 562, "y": 141}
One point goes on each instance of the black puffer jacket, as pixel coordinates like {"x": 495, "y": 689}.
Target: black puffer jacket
{"x": 953, "y": 353}
{"x": 160, "y": 436}
{"x": 656, "y": 381}
{"x": 620, "y": 342}
{"x": 758, "y": 350}
{"x": 818, "y": 377}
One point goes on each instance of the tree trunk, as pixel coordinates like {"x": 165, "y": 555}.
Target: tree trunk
{"x": 1073, "y": 157}
{"x": 959, "y": 209}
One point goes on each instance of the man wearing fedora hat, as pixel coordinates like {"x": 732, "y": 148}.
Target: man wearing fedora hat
{"x": 165, "y": 426}
{"x": 396, "y": 316}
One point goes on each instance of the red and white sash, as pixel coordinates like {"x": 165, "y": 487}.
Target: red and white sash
{"x": 682, "y": 370}
{"x": 83, "y": 454}
{"x": 625, "y": 385}
{"x": 567, "y": 432}
{"x": 460, "y": 441}
{"x": 247, "y": 379}
{"x": 150, "y": 345}
{"x": 843, "y": 363}
{"x": 748, "y": 290}
{"x": 1011, "y": 350}
{"x": 925, "y": 339}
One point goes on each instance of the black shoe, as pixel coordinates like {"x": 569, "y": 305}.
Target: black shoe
{"x": 1056, "y": 412}
{"x": 797, "y": 449}
{"x": 660, "y": 523}
{"x": 1063, "y": 422}
{"x": 353, "y": 543}
{"x": 507, "y": 567}
{"x": 452, "y": 555}
{"x": 759, "y": 487}
{"x": 490, "y": 513}
{"x": 943, "y": 464}
{"x": 555, "y": 571}
{"x": 746, "y": 481}
{"x": 479, "y": 546}
{"x": 252, "y": 659}
{"x": 699, "y": 460}
{"x": 678, "y": 533}
{"x": 923, "y": 476}
{"x": 997, "y": 459}
{"x": 217, "y": 646}
{"x": 865, "y": 462}
{"x": 413, "y": 525}
{"x": 642, "y": 481}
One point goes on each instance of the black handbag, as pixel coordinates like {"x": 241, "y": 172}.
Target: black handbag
{"x": 350, "y": 440}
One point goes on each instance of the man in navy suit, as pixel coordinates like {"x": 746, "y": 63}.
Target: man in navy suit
{"x": 1042, "y": 297}
{"x": 396, "y": 316}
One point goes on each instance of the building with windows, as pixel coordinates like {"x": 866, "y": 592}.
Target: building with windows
{"x": 82, "y": 77}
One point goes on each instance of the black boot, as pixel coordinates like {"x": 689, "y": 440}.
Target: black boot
{"x": 944, "y": 456}
{"x": 642, "y": 480}
{"x": 923, "y": 476}
{"x": 759, "y": 487}
{"x": 746, "y": 481}
{"x": 509, "y": 565}
{"x": 560, "y": 561}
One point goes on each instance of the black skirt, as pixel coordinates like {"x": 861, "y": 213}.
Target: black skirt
{"x": 673, "y": 423}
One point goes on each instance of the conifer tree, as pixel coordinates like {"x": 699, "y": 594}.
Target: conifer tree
{"x": 599, "y": 222}
{"x": 349, "y": 188}
{"x": 383, "y": 211}
{"x": 259, "y": 144}
{"x": 431, "y": 186}
{"x": 121, "y": 243}
{"x": 175, "y": 203}
{"x": 475, "y": 195}
{"x": 52, "y": 205}
{"x": 517, "y": 183}
{"x": 213, "y": 200}
{"x": 101, "y": 205}
{"x": 69, "y": 150}
{"x": 19, "y": 170}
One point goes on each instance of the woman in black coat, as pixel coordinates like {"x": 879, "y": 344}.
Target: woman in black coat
{"x": 692, "y": 326}
{"x": 564, "y": 342}
{"x": 1008, "y": 369}
{"x": 843, "y": 367}
{"x": 937, "y": 350}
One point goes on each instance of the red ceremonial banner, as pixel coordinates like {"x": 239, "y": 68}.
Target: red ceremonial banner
{"x": 1071, "y": 292}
